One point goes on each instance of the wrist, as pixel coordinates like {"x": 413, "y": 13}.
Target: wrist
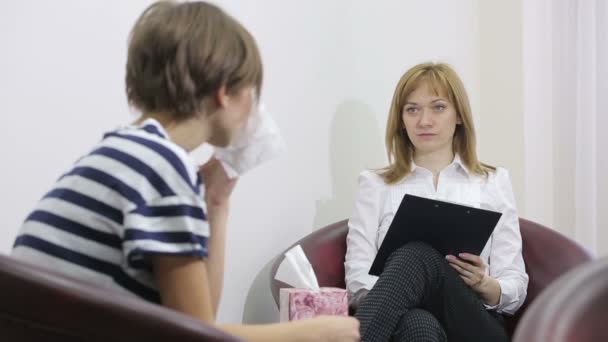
{"x": 217, "y": 216}
{"x": 217, "y": 208}
{"x": 489, "y": 290}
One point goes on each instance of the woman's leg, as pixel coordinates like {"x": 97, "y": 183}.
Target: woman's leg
{"x": 417, "y": 276}
{"x": 419, "y": 325}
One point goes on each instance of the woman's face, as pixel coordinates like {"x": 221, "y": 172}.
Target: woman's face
{"x": 429, "y": 119}
{"x": 232, "y": 118}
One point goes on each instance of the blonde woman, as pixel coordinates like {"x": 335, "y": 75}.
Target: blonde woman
{"x": 423, "y": 295}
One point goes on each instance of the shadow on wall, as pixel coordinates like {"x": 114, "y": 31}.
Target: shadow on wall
{"x": 259, "y": 305}
{"x": 357, "y": 143}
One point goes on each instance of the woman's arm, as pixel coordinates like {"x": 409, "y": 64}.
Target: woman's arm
{"x": 218, "y": 218}
{"x": 506, "y": 259}
{"x": 362, "y": 233}
{"x": 218, "y": 188}
{"x": 184, "y": 287}
{"x": 504, "y": 286}
{"x": 319, "y": 329}
{"x": 193, "y": 286}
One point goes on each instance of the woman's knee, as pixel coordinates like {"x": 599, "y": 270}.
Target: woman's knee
{"x": 419, "y": 325}
{"x": 419, "y": 252}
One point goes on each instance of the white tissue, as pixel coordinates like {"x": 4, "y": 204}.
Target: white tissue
{"x": 296, "y": 270}
{"x": 258, "y": 142}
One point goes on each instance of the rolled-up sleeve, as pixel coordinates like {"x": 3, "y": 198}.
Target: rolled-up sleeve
{"x": 506, "y": 260}
{"x": 362, "y": 231}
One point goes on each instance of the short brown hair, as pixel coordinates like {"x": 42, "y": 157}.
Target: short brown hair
{"x": 181, "y": 53}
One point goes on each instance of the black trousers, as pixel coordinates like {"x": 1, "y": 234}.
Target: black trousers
{"x": 420, "y": 297}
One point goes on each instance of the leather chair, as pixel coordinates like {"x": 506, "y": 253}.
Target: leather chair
{"x": 40, "y": 305}
{"x": 572, "y": 309}
{"x": 547, "y": 255}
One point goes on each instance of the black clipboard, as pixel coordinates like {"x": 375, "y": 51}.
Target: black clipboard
{"x": 448, "y": 227}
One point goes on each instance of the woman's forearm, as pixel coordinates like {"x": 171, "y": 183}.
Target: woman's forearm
{"x": 489, "y": 291}
{"x": 218, "y": 219}
{"x": 264, "y": 333}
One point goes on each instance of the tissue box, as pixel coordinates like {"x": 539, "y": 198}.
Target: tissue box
{"x": 297, "y": 304}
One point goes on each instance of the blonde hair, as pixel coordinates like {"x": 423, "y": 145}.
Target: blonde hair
{"x": 443, "y": 80}
{"x": 181, "y": 53}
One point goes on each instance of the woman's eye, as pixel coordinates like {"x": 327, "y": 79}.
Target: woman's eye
{"x": 411, "y": 110}
{"x": 439, "y": 108}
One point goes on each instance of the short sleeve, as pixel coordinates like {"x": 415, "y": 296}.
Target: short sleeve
{"x": 174, "y": 225}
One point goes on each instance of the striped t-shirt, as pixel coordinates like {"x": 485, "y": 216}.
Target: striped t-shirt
{"x": 136, "y": 194}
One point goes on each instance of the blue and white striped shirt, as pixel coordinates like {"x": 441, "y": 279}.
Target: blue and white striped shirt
{"x": 136, "y": 194}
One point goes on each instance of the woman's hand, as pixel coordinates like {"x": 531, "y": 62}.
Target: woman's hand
{"x": 472, "y": 269}
{"x": 218, "y": 186}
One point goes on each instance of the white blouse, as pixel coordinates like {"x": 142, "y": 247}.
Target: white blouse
{"x": 377, "y": 203}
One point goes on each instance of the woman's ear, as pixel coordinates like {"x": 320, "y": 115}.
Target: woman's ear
{"x": 221, "y": 97}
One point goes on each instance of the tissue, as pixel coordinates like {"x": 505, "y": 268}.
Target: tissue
{"x": 306, "y": 299}
{"x": 259, "y": 141}
{"x": 296, "y": 270}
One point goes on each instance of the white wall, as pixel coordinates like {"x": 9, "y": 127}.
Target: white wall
{"x": 61, "y": 88}
{"x": 501, "y": 134}
{"x": 538, "y": 104}
{"x": 331, "y": 67}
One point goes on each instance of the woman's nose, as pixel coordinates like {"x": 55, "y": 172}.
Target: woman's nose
{"x": 425, "y": 118}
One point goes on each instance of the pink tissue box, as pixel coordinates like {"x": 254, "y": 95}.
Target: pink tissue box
{"x": 299, "y": 304}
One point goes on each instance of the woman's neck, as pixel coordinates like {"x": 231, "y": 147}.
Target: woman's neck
{"x": 189, "y": 133}
{"x": 434, "y": 161}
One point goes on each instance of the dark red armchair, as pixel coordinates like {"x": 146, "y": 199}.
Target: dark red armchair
{"x": 547, "y": 255}
{"x": 40, "y": 305}
{"x": 572, "y": 309}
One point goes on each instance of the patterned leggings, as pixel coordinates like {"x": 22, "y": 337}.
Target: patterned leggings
{"x": 420, "y": 297}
